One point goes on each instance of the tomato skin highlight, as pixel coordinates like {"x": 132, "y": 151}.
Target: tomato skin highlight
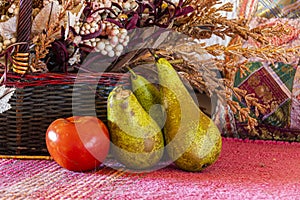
{"x": 78, "y": 143}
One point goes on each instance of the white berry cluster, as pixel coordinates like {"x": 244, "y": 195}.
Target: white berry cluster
{"x": 112, "y": 44}
{"x": 12, "y": 11}
{"x": 35, "y": 11}
{"x": 87, "y": 27}
{"x": 126, "y": 4}
{"x": 175, "y": 1}
{"x": 116, "y": 41}
{"x": 5, "y": 43}
{"x": 112, "y": 40}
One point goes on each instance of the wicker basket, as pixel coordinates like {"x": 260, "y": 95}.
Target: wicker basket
{"x": 40, "y": 99}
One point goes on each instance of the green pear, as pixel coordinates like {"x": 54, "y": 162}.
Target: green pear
{"x": 193, "y": 141}
{"x": 148, "y": 96}
{"x": 137, "y": 139}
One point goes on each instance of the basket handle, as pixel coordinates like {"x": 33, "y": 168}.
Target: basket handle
{"x": 7, "y": 54}
{"x": 24, "y": 25}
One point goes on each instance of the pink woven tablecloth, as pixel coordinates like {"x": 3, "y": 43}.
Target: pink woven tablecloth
{"x": 245, "y": 170}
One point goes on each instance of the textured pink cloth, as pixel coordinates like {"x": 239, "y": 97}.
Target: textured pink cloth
{"x": 245, "y": 170}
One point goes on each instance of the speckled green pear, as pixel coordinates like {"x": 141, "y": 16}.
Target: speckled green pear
{"x": 148, "y": 96}
{"x": 137, "y": 139}
{"x": 193, "y": 140}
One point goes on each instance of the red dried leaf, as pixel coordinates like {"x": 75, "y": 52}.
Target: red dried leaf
{"x": 133, "y": 22}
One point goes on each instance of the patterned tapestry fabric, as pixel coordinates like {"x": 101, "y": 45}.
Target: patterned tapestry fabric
{"x": 247, "y": 9}
{"x": 275, "y": 85}
{"x": 272, "y": 87}
{"x": 245, "y": 170}
{"x": 278, "y": 8}
{"x": 291, "y": 26}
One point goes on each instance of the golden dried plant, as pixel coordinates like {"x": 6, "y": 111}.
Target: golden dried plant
{"x": 229, "y": 59}
{"x": 44, "y": 39}
{"x": 216, "y": 72}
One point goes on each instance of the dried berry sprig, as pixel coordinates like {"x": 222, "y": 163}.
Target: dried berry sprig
{"x": 8, "y": 9}
{"x": 243, "y": 114}
{"x": 207, "y": 20}
{"x": 200, "y": 64}
{"x": 44, "y": 40}
{"x": 42, "y": 45}
{"x": 150, "y": 13}
{"x": 269, "y": 53}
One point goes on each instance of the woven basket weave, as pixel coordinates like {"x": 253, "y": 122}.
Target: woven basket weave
{"x": 40, "y": 99}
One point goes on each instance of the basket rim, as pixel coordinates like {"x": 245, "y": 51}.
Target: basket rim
{"x": 50, "y": 78}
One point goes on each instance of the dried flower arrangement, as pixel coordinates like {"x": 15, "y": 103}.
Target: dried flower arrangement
{"x": 64, "y": 33}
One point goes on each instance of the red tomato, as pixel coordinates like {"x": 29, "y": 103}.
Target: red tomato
{"x": 78, "y": 143}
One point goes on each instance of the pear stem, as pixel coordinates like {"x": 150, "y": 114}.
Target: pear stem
{"x": 133, "y": 74}
{"x": 153, "y": 54}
